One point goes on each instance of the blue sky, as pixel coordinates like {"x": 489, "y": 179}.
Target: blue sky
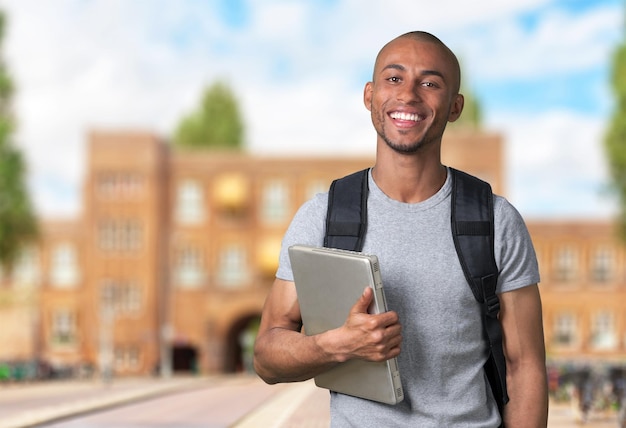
{"x": 540, "y": 69}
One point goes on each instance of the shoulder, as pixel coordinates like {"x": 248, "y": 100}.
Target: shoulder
{"x": 308, "y": 224}
{"x": 505, "y": 213}
{"x": 314, "y": 207}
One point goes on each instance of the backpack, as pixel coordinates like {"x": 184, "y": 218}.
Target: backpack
{"x": 473, "y": 234}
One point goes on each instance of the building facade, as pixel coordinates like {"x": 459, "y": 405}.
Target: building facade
{"x": 583, "y": 289}
{"x": 170, "y": 261}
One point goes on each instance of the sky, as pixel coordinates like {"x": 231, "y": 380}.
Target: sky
{"x": 539, "y": 68}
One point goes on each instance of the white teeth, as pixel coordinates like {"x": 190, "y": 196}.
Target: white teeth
{"x": 404, "y": 116}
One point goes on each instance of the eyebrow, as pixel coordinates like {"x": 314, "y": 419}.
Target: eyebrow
{"x": 394, "y": 67}
{"x": 433, "y": 73}
{"x": 423, "y": 73}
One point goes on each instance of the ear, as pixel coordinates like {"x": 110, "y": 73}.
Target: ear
{"x": 456, "y": 108}
{"x": 367, "y": 95}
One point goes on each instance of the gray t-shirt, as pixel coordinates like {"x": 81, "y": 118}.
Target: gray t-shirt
{"x": 443, "y": 349}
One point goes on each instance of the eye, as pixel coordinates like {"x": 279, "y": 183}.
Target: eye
{"x": 393, "y": 79}
{"x": 429, "y": 84}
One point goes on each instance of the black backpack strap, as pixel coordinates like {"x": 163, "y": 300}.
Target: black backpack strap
{"x": 346, "y": 218}
{"x": 473, "y": 234}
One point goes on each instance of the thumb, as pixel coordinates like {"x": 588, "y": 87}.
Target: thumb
{"x": 363, "y": 303}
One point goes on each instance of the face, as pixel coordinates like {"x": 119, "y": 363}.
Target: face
{"x": 414, "y": 93}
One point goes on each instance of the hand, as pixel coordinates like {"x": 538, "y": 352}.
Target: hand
{"x": 372, "y": 337}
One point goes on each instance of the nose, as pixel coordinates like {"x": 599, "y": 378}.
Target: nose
{"x": 409, "y": 93}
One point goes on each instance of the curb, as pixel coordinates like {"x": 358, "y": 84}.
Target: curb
{"x": 52, "y": 414}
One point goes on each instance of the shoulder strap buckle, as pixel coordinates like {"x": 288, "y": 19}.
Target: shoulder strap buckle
{"x": 492, "y": 306}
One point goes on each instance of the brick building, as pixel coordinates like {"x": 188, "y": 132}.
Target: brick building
{"x": 174, "y": 252}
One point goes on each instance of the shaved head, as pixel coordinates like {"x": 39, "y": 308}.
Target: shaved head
{"x": 424, "y": 37}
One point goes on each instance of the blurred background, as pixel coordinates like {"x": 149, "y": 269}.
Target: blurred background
{"x": 153, "y": 153}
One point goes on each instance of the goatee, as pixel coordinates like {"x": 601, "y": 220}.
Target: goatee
{"x": 405, "y": 149}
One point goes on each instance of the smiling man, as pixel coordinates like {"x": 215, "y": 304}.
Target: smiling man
{"x": 434, "y": 325}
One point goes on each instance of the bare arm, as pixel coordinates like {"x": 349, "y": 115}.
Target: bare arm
{"x": 525, "y": 358}
{"x": 282, "y": 353}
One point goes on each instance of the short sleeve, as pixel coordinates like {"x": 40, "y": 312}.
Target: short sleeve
{"x": 514, "y": 251}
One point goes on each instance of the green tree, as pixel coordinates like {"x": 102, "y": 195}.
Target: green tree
{"x": 216, "y": 124}
{"x": 615, "y": 140}
{"x": 18, "y": 225}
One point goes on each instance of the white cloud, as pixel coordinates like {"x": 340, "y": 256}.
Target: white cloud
{"x": 393, "y": 17}
{"x": 556, "y": 164}
{"x": 320, "y": 117}
{"x": 295, "y": 67}
{"x": 560, "y": 43}
{"x": 80, "y": 66}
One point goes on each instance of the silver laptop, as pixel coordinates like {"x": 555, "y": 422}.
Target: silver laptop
{"x": 328, "y": 283}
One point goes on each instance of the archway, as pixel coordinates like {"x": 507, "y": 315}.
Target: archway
{"x": 184, "y": 358}
{"x": 239, "y": 344}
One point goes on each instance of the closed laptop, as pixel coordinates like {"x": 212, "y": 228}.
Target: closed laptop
{"x": 328, "y": 283}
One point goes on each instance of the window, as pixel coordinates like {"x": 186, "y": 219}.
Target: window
{"x": 275, "y": 202}
{"x": 189, "y": 202}
{"x": 64, "y": 269}
{"x": 119, "y": 235}
{"x": 27, "y": 273}
{"x": 603, "y": 265}
{"x": 118, "y": 184}
{"x": 120, "y": 297}
{"x": 127, "y": 358}
{"x": 232, "y": 266}
{"x": 565, "y": 330}
{"x": 188, "y": 271}
{"x": 603, "y": 335}
{"x": 566, "y": 264}
{"x": 63, "y": 327}
{"x": 106, "y": 235}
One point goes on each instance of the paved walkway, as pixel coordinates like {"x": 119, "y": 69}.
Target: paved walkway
{"x": 300, "y": 405}
{"x": 93, "y": 395}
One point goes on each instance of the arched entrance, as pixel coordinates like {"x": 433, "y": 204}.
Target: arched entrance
{"x": 240, "y": 343}
{"x": 184, "y": 358}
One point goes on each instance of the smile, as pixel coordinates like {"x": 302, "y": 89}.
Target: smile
{"x": 414, "y": 117}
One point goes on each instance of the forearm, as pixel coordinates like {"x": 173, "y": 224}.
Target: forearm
{"x": 528, "y": 394}
{"x": 282, "y": 355}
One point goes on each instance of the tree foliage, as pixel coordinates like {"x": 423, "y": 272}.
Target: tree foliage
{"x": 18, "y": 225}
{"x": 216, "y": 123}
{"x": 615, "y": 141}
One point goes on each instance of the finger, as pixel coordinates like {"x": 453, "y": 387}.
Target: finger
{"x": 395, "y": 340}
{"x": 393, "y": 330}
{"x": 364, "y": 301}
{"x": 388, "y": 319}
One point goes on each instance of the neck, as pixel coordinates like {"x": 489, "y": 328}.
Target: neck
{"x": 409, "y": 178}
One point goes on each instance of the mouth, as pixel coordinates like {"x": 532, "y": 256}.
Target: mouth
{"x": 406, "y": 118}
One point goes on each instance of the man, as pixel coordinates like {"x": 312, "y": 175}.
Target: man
{"x": 434, "y": 323}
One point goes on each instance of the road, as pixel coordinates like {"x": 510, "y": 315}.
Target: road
{"x": 243, "y": 404}
{"x": 241, "y": 401}
{"x": 220, "y": 404}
